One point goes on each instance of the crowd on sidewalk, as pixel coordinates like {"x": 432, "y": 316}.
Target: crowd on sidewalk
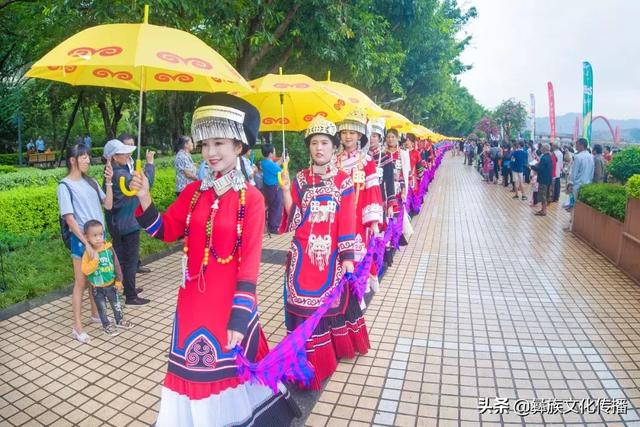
{"x": 349, "y": 212}
{"x": 543, "y": 166}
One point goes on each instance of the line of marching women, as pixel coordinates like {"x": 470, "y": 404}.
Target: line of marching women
{"x": 339, "y": 208}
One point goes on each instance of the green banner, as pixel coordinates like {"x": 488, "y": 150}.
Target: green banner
{"x": 587, "y": 100}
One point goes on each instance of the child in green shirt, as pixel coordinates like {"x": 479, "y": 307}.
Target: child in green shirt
{"x": 100, "y": 265}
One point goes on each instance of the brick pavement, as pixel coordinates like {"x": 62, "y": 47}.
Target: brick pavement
{"x": 486, "y": 301}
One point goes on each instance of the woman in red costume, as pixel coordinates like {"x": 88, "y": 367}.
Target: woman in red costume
{"x": 362, "y": 168}
{"x": 320, "y": 206}
{"x": 221, "y": 219}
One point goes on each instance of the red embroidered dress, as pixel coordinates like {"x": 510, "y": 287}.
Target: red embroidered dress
{"x": 414, "y": 158}
{"x": 362, "y": 170}
{"x": 201, "y": 386}
{"x": 399, "y": 181}
{"x": 323, "y": 219}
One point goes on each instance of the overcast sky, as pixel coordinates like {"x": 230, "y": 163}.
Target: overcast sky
{"x": 519, "y": 45}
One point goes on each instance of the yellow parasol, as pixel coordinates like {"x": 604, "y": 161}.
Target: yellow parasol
{"x": 140, "y": 57}
{"x": 395, "y": 120}
{"x": 288, "y": 102}
{"x": 349, "y": 96}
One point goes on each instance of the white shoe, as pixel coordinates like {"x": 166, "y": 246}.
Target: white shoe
{"x": 82, "y": 336}
{"x": 363, "y": 305}
{"x": 374, "y": 283}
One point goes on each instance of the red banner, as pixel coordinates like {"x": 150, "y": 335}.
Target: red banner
{"x": 552, "y": 112}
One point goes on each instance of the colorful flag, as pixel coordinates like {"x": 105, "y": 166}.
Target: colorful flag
{"x": 587, "y": 100}
{"x": 552, "y": 112}
{"x": 532, "y": 99}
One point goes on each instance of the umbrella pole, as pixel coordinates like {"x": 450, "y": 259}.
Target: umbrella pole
{"x": 284, "y": 147}
{"x": 122, "y": 183}
{"x": 140, "y": 115}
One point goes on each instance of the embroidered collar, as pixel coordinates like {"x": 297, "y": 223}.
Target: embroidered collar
{"x": 231, "y": 180}
{"x": 327, "y": 171}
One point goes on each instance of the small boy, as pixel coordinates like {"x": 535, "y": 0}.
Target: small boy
{"x": 105, "y": 277}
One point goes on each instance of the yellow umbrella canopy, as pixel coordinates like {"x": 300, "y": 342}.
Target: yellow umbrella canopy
{"x": 420, "y": 131}
{"x": 395, "y": 120}
{"x": 290, "y": 101}
{"x": 350, "y": 97}
{"x": 138, "y": 57}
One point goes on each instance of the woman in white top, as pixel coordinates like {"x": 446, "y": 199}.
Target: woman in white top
{"x": 81, "y": 199}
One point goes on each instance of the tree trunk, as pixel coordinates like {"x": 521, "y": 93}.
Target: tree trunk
{"x": 72, "y": 119}
{"x": 86, "y": 116}
{"x": 106, "y": 120}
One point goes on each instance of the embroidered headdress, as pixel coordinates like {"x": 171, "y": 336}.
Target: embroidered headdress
{"x": 220, "y": 115}
{"x": 320, "y": 125}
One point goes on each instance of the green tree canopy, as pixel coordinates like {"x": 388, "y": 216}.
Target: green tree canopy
{"x": 387, "y": 48}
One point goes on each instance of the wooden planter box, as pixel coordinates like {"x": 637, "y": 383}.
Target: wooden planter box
{"x": 619, "y": 242}
{"x": 630, "y": 242}
{"x": 601, "y": 231}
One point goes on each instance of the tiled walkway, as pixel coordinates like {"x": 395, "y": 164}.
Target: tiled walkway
{"x": 487, "y": 301}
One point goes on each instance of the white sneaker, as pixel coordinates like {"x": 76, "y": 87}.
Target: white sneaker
{"x": 363, "y": 305}
{"x": 374, "y": 283}
{"x": 82, "y": 336}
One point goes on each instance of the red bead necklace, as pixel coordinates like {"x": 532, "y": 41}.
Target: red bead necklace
{"x": 209, "y": 249}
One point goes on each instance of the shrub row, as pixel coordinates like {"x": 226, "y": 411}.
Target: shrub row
{"x": 34, "y": 177}
{"x": 633, "y": 186}
{"x": 610, "y": 199}
{"x": 625, "y": 164}
{"x": 33, "y": 212}
{"x": 12, "y": 158}
{"x": 7, "y": 169}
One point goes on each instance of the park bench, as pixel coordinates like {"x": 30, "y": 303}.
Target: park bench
{"x": 42, "y": 160}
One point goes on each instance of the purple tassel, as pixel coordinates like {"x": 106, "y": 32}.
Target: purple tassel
{"x": 288, "y": 360}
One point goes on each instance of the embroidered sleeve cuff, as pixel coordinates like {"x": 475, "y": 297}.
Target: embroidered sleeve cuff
{"x": 346, "y": 246}
{"x": 372, "y": 213}
{"x": 348, "y": 255}
{"x": 151, "y": 221}
{"x": 243, "y": 307}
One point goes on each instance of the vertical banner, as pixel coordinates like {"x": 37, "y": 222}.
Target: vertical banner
{"x": 532, "y": 99}
{"x": 587, "y": 100}
{"x": 576, "y": 129}
{"x": 552, "y": 113}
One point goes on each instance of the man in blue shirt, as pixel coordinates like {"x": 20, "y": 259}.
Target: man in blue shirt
{"x": 271, "y": 188}
{"x": 40, "y": 145}
{"x": 519, "y": 159}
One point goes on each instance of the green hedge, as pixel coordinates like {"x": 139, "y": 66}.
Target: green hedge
{"x": 610, "y": 199}
{"x": 12, "y": 159}
{"x": 7, "y": 169}
{"x": 625, "y": 164}
{"x": 33, "y": 211}
{"x": 633, "y": 187}
{"x": 34, "y": 177}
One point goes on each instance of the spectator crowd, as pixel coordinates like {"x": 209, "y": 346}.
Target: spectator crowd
{"x": 543, "y": 166}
